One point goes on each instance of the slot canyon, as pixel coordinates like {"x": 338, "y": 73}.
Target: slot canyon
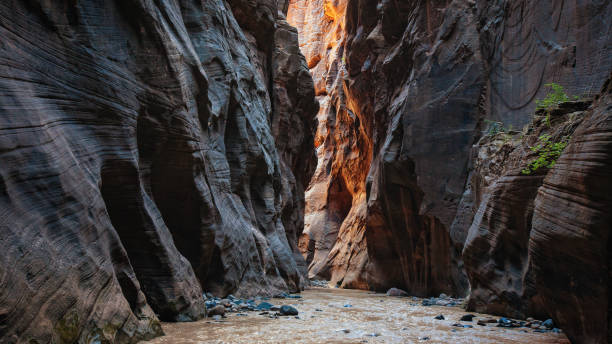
{"x": 305, "y": 171}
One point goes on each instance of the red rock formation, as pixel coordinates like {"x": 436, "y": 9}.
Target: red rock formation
{"x": 138, "y": 162}
{"x": 417, "y": 80}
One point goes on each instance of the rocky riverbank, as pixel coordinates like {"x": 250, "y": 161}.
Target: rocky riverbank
{"x": 334, "y": 315}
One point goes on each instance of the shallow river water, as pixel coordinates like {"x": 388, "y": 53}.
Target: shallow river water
{"x": 373, "y": 318}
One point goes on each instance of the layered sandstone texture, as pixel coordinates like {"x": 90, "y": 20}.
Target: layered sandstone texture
{"x": 496, "y": 249}
{"x": 405, "y": 88}
{"x": 147, "y": 151}
{"x": 540, "y": 242}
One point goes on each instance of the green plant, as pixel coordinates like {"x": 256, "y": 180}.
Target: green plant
{"x": 552, "y": 99}
{"x": 495, "y": 128}
{"x": 548, "y": 153}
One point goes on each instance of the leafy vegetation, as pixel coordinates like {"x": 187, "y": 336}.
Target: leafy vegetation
{"x": 548, "y": 153}
{"x": 552, "y": 99}
{"x": 496, "y": 127}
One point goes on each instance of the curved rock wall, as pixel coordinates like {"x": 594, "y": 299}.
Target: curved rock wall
{"x": 570, "y": 246}
{"x": 144, "y": 157}
{"x": 406, "y": 89}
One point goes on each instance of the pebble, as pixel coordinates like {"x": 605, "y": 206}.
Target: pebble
{"x": 217, "y": 310}
{"x": 348, "y": 306}
{"x": 467, "y": 317}
{"x": 462, "y": 326}
{"x": 288, "y": 310}
{"x": 396, "y": 292}
{"x": 548, "y": 323}
{"x": 266, "y": 306}
{"x": 424, "y": 338}
{"x": 439, "y": 317}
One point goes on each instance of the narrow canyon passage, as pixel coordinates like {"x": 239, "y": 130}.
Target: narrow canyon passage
{"x": 353, "y": 316}
{"x": 237, "y": 171}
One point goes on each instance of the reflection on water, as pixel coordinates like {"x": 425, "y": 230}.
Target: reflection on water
{"x": 373, "y": 318}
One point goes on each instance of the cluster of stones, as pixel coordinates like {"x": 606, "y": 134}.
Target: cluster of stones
{"x": 447, "y": 301}
{"x": 217, "y": 307}
{"x": 537, "y": 325}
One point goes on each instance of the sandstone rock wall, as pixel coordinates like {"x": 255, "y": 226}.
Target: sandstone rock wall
{"x": 144, "y": 157}
{"x": 570, "y": 244}
{"x": 405, "y": 89}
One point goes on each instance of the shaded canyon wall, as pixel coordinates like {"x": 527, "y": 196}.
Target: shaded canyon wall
{"x": 149, "y": 150}
{"x": 407, "y": 89}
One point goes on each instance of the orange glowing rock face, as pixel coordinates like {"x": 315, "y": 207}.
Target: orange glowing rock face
{"x": 333, "y": 240}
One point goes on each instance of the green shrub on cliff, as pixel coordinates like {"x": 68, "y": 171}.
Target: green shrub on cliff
{"x": 548, "y": 153}
{"x": 554, "y": 98}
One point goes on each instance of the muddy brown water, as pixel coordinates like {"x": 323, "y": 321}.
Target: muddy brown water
{"x": 393, "y": 319}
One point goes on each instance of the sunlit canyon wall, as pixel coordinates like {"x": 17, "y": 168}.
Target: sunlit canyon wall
{"x": 406, "y": 91}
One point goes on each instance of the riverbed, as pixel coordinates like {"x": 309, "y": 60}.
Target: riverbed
{"x": 351, "y": 316}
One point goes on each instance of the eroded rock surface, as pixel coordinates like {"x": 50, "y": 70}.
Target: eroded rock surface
{"x": 570, "y": 245}
{"x": 406, "y": 90}
{"x": 144, "y": 154}
{"x": 496, "y": 250}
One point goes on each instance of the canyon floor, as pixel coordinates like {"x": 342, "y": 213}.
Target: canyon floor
{"x": 351, "y": 316}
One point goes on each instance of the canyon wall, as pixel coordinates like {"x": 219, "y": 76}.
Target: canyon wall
{"x": 407, "y": 90}
{"x": 149, "y": 150}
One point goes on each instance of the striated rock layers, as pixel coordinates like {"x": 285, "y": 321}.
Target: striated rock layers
{"x": 147, "y": 151}
{"x": 540, "y": 243}
{"x": 405, "y": 89}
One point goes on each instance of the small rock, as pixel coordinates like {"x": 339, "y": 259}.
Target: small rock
{"x": 266, "y": 306}
{"x": 442, "y": 302}
{"x": 439, "y": 317}
{"x": 424, "y": 338}
{"x": 226, "y": 303}
{"x": 288, "y": 310}
{"x": 443, "y": 296}
{"x": 294, "y": 296}
{"x": 318, "y": 310}
{"x": 346, "y": 330}
{"x": 504, "y": 322}
{"x": 348, "y": 306}
{"x": 428, "y": 302}
{"x": 373, "y": 335}
{"x": 396, "y": 292}
{"x": 556, "y": 330}
{"x": 462, "y": 326}
{"x": 217, "y": 310}
{"x": 548, "y": 323}
{"x": 264, "y": 313}
{"x": 467, "y": 317}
